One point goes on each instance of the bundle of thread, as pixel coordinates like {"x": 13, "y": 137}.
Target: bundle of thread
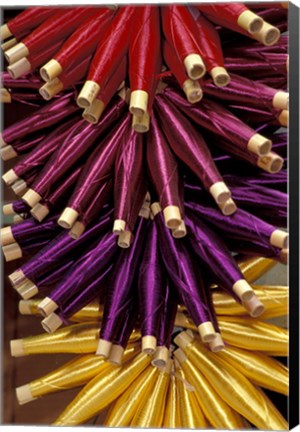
{"x": 171, "y": 184}
{"x": 197, "y": 386}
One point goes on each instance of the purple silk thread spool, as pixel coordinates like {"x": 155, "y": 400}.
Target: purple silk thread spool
{"x": 164, "y": 175}
{"x": 190, "y": 147}
{"x": 82, "y": 272}
{"x": 48, "y": 115}
{"x": 214, "y": 254}
{"x": 121, "y": 340}
{"x": 181, "y": 270}
{"x": 129, "y": 179}
{"x": 41, "y": 153}
{"x": 151, "y": 290}
{"x": 214, "y": 117}
{"x": 92, "y": 290}
{"x": 56, "y": 197}
{"x": 82, "y": 137}
{"x": 121, "y": 286}
{"x": 242, "y": 225}
{"x": 54, "y": 255}
{"x": 95, "y": 173}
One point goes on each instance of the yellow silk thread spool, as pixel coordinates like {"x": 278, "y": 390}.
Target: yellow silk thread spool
{"x": 123, "y": 410}
{"x": 231, "y": 385}
{"x": 191, "y": 415}
{"x": 218, "y": 413}
{"x": 74, "y": 373}
{"x": 101, "y": 391}
{"x": 261, "y": 369}
{"x": 254, "y": 268}
{"x": 76, "y": 339}
{"x": 253, "y": 334}
{"x": 172, "y": 415}
{"x": 274, "y": 299}
{"x": 151, "y": 414}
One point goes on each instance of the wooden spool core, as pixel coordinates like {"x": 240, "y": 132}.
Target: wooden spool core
{"x": 51, "y": 88}
{"x": 119, "y": 226}
{"x": 8, "y": 153}
{"x": 172, "y": 216}
{"x": 5, "y": 32}
{"x": 47, "y": 306}
{"x": 39, "y": 212}
{"x": 19, "y": 68}
{"x": 180, "y": 231}
{"x": 194, "y": 66}
{"x": 220, "y": 192}
{"x": 6, "y": 236}
{"x": 27, "y": 290}
{"x": 16, "y": 52}
{"x": 88, "y": 94}
{"x": 9, "y": 44}
{"x": 12, "y": 252}
{"x": 17, "y": 278}
{"x": 2, "y": 142}
{"x": 243, "y": 290}
{"x": 93, "y": 113}
{"x": 116, "y": 354}
{"x": 17, "y": 348}
{"x": 268, "y": 35}
{"x": 141, "y": 124}
{"x": 207, "y": 332}
{"x": 250, "y": 22}
{"x": 77, "y": 230}
{"x": 10, "y": 177}
{"x": 283, "y": 118}
{"x": 228, "y": 207}
{"x": 281, "y": 100}
{"x": 279, "y": 239}
{"x": 149, "y": 344}
{"x": 161, "y": 357}
{"x": 51, "y": 323}
{"x": 68, "y": 218}
{"x": 24, "y": 394}
{"x": 104, "y": 348}
{"x": 124, "y": 240}
{"x": 138, "y": 102}
{"x": 220, "y": 76}
{"x": 179, "y": 355}
{"x": 50, "y": 70}
{"x": 31, "y": 197}
{"x": 19, "y": 187}
{"x": 5, "y": 96}
{"x": 271, "y": 162}
{"x": 254, "y": 306}
{"x": 217, "y": 344}
{"x": 8, "y": 210}
{"x": 183, "y": 339}
{"x": 259, "y": 145}
{"x": 192, "y": 90}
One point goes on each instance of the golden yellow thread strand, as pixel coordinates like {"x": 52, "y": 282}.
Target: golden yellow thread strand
{"x": 254, "y": 268}
{"x": 261, "y": 369}
{"x": 191, "y": 414}
{"x": 74, "y": 373}
{"x": 218, "y": 413}
{"x": 151, "y": 413}
{"x": 252, "y": 334}
{"x": 171, "y": 417}
{"x": 232, "y": 386}
{"x": 101, "y": 391}
{"x": 122, "y": 411}
{"x": 274, "y": 299}
{"x": 76, "y": 339}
